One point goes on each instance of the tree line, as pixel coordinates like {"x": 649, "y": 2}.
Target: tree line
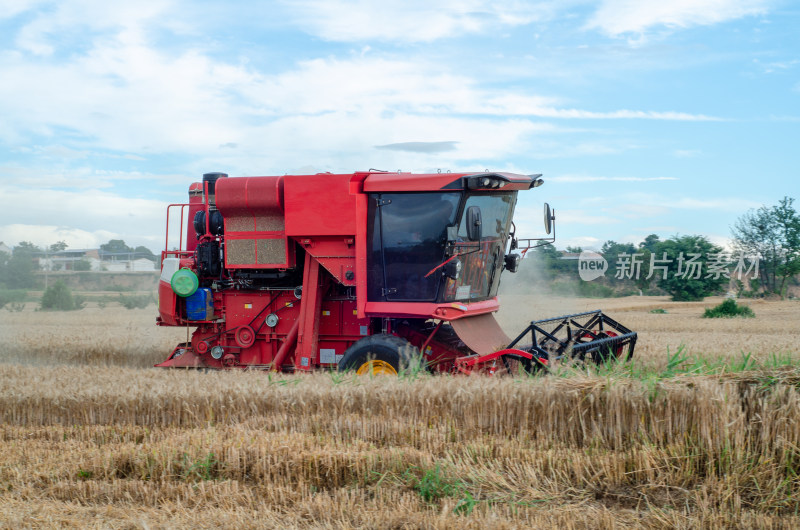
{"x": 764, "y": 260}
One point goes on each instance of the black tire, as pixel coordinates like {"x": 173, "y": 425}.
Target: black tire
{"x": 376, "y": 350}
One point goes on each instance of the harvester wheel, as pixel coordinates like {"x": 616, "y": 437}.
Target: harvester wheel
{"x": 380, "y": 354}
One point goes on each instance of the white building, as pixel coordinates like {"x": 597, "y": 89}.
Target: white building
{"x": 65, "y": 260}
{"x": 134, "y": 265}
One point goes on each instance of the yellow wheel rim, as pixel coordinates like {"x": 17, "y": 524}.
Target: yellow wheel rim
{"x": 376, "y": 367}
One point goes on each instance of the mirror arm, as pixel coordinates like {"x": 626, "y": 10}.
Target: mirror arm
{"x": 543, "y": 240}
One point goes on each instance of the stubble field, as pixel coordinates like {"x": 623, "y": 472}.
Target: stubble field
{"x": 92, "y": 437}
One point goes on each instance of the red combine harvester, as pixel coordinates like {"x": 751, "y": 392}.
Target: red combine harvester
{"x": 370, "y": 271}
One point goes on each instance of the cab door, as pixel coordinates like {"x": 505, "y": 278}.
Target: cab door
{"x": 413, "y": 237}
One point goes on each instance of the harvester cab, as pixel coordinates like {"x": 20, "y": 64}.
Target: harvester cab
{"x": 371, "y": 271}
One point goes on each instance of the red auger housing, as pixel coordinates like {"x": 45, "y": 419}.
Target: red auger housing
{"x": 371, "y": 271}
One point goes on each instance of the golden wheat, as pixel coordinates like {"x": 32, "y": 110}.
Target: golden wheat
{"x": 87, "y": 439}
{"x": 105, "y": 436}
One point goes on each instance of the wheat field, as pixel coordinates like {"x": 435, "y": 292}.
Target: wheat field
{"x": 92, "y": 437}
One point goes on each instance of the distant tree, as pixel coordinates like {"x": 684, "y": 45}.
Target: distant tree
{"x": 116, "y": 246}
{"x": 686, "y": 261}
{"x": 58, "y": 247}
{"x": 144, "y": 252}
{"x": 646, "y": 252}
{"x": 773, "y": 235}
{"x": 4, "y": 257}
{"x": 59, "y": 297}
{"x": 82, "y": 265}
{"x": 18, "y": 270}
{"x": 548, "y": 250}
{"x": 649, "y": 243}
{"x": 574, "y": 250}
{"x": 27, "y": 247}
{"x": 615, "y": 253}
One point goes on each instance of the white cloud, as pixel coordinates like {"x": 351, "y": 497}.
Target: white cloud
{"x": 411, "y": 20}
{"x": 776, "y": 66}
{"x": 49, "y": 27}
{"x": 617, "y": 17}
{"x": 125, "y": 96}
{"x": 543, "y": 108}
{"x": 81, "y": 217}
{"x": 45, "y": 235}
{"x": 38, "y": 176}
{"x": 12, "y": 8}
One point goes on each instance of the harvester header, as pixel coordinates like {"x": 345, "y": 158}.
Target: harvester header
{"x": 369, "y": 271}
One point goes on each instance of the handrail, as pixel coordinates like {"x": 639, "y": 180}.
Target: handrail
{"x": 180, "y": 237}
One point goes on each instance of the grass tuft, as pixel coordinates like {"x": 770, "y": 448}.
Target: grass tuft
{"x": 729, "y": 309}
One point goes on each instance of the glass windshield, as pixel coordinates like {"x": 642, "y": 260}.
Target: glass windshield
{"x": 482, "y": 260}
{"x": 414, "y": 236}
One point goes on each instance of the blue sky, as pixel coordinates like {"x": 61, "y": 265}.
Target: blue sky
{"x": 644, "y": 116}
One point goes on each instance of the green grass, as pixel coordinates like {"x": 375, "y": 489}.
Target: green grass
{"x": 678, "y": 363}
{"x": 12, "y": 296}
{"x": 433, "y": 484}
{"x": 729, "y": 309}
{"x": 204, "y": 469}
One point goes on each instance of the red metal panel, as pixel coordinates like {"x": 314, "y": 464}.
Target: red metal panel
{"x": 166, "y": 304}
{"x": 388, "y": 182}
{"x": 447, "y": 311}
{"x": 335, "y": 253}
{"x": 330, "y": 320}
{"x": 412, "y": 182}
{"x": 352, "y": 325}
{"x": 319, "y": 205}
{"x": 251, "y": 355}
{"x": 361, "y": 242}
{"x": 242, "y": 307}
{"x": 249, "y": 195}
{"x": 287, "y": 308}
{"x": 310, "y": 305}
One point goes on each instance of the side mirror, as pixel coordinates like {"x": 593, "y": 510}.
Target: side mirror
{"x": 549, "y": 217}
{"x": 474, "y": 228}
